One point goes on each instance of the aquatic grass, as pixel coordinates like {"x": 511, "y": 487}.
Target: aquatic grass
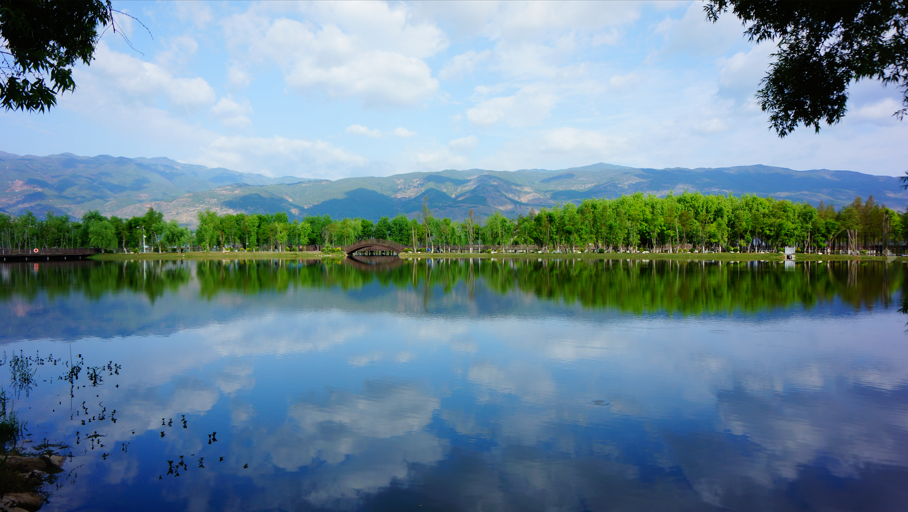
{"x": 11, "y": 429}
{"x": 22, "y": 372}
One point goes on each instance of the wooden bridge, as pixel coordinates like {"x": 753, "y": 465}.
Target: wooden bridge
{"x": 374, "y": 247}
{"x": 45, "y": 254}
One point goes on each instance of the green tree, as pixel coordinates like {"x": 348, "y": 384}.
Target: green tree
{"x": 40, "y": 42}
{"x": 101, "y": 235}
{"x": 400, "y": 230}
{"x": 382, "y": 229}
{"x": 823, "y": 47}
{"x": 206, "y": 233}
{"x": 152, "y": 224}
{"x": 174, "y": 236}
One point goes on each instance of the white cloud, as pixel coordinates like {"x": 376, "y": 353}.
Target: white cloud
{"x": 531, "y": 59}
{"x": 561, "y": 148}
{"x": 354, "y": 445}
{"x": 339, "y": 64}
{"x": 432, "y": 160}
{"x": 237, "y": 78}
{"x": 358, "y": 129}
{"x": 403, "y": 133}
{"x": 740, "y": 74}
{"x": 462, "y": 64}
{"x": 570, "y": 140}
{"x": 529, "y": 106}
{"x": 143, "y": 82}
{"x": 195, "y": 13}
{"x": 281, "y": 156}
{"x": 380, "y": 26}
{"x": 177, "y": 52}
{"x": 379, "y": 78}
{"x": 623, "y": 83}
{"x": 519, "y": 379}
{"x": 461, "y": 19}
{"x": 710, "y": 126}
{"x": 694, "y": 34}
{"x": 878, "y": 112}
{"x": 609, "y": 37}
{"x": 530, "y": 20}
{"x": 404, "y": 356}
{"x": 365, "y": 359}
{"x": 463, "y": 144}
{"x": 232, "y": 113}
{"x": 235, "y": 378}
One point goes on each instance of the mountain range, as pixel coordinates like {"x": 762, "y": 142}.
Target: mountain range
{"x": 70, "y": 184}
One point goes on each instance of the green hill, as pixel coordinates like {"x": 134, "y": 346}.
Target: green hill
{"x": 122, "y": 186}
{"x": 71, "y": 184}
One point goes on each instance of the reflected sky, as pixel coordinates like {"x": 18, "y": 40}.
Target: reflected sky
{"x": 306, "y": 386}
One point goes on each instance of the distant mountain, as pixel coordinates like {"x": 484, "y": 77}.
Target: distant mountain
{"x": 72, "y": 184}
{"x": 127, "y": 187}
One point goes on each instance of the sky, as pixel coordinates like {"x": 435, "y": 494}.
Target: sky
{"x": 334, "y": 90}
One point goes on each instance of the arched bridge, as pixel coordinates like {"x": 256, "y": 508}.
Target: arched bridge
{"x": 375, "y": 247}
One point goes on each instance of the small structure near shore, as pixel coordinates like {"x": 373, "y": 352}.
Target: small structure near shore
{"x": 790, "y": 253}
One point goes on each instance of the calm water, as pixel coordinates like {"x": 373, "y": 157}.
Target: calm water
{"x": 450, "y": 385}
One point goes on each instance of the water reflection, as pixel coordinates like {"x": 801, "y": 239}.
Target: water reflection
{"x": 374, "y": 263}
{"x": 688, "y": 288}
{"x": 459, "y": 385}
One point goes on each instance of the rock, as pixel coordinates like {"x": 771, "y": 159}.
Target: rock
{"x": 54, "y": 463}
{"x": 35, "y": 474}
{"x": 24, "y": 464}
{"x": 28, "y": 501}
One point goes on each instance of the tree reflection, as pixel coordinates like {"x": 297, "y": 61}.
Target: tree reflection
{"x": 639, "y": 287}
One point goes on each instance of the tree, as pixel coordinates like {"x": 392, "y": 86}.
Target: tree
{"x": 40, "y": 41}
{"x": 823, "y": 47}
{"x": 174, "y": 236}
{"x": 153, "y": 224}
{"x": 400, "y": 229}
{"x": 101, "y": 235}
{"x": 426, "y": 219}
{"x": 206, "y": 233}
{"x": 382, "y": 229}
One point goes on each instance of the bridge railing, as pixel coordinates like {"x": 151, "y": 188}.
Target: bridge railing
{"x": 362, "y": 244}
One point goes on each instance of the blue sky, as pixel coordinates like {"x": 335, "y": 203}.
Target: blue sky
{"x": 333, "y": 90}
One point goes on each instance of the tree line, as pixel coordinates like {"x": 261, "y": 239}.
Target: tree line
{"x": 630, "y": 223}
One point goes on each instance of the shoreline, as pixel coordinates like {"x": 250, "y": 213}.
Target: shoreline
{"x": 295, "y": 255}
{"x": 731, "y": 257}
{"x": 196, "y": 255}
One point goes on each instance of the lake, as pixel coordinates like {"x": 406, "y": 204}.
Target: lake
{"x": 463, "y": 384}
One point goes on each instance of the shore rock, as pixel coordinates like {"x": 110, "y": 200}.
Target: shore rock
{"x": 54, "y": 463}
{"x": 21, "y": 500}
{"x": 25, "y": 464}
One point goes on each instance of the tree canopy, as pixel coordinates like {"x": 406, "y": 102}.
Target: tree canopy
{"x": 823, "y": 47}
{"x": 40, "y": 42}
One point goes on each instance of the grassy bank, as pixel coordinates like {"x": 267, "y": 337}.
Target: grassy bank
{"x": 658, "y": 256}
{"x": 167, "y": 256}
